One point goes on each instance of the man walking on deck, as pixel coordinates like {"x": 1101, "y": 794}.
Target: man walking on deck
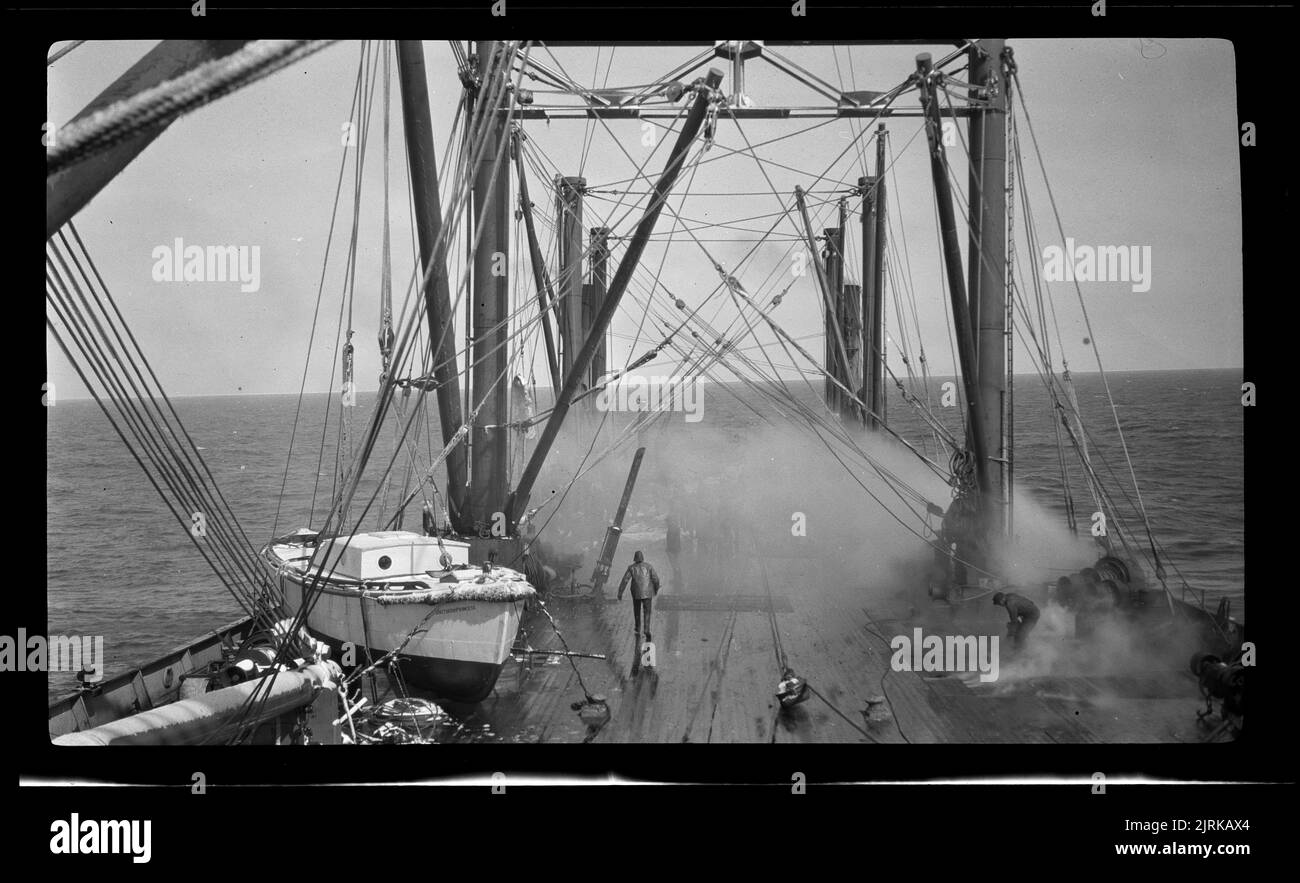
{"x": 645, "y": 585}
{"x": 1023, "y": 613}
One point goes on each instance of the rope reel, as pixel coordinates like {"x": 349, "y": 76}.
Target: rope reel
{"x": 409, "y": 713}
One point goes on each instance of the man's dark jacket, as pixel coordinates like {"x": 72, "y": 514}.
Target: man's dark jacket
{"x": 645, "y": 582}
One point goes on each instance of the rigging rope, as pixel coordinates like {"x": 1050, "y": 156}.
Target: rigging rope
{"x": 1137, "y": 490}
{"x": 311, "y": 339}
{"x": 160, "y": 105}
{"x": 133, "y": 389}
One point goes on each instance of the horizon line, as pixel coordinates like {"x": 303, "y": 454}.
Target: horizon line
{"x": 235, "y": 395}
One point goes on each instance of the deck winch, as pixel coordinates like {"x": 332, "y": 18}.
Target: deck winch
{"x": 593, "y": 711}
{"x": 792, "y": 689}
{"x": 1225, "y": 681}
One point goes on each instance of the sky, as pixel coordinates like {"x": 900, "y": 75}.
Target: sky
{"x": 1139, "y": 138}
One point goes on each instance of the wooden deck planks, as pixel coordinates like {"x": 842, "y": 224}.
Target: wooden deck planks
{"x": 718, "y": 670}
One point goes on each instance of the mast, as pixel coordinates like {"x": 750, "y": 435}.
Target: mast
{"x": 835, "y": 367}
{"x": 878, "y": 403}
{"x": 988, "y": 203}
{"x": 417, "y": 125}
{"x": 568, "y": 213}
{"x": 545, "y": 294}
{"x": 490, "y": 351}
{"x": 593, "y": 294}
{"x": 870, "y": 331}
{"x": 1009, "y": 412}
{"x": 855, "y": 380}
{"x": 873, "y": 285}
{"x": 518, "y": 503}
{"x": 974, "y": 214}
{"x": 828, "y": 299}
{"x": 467, "y": 108}
{"x": 956, "y": 284}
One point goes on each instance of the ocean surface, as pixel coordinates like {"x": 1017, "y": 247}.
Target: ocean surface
{"x": 121, "y": 566}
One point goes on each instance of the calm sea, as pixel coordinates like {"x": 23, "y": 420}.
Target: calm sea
{"x": 121, "y": 566}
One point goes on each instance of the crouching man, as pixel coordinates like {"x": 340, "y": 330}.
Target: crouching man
{"x": 1023, "y": 613}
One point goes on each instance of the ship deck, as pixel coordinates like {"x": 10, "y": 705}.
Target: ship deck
{"x": 717, "y": 672}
